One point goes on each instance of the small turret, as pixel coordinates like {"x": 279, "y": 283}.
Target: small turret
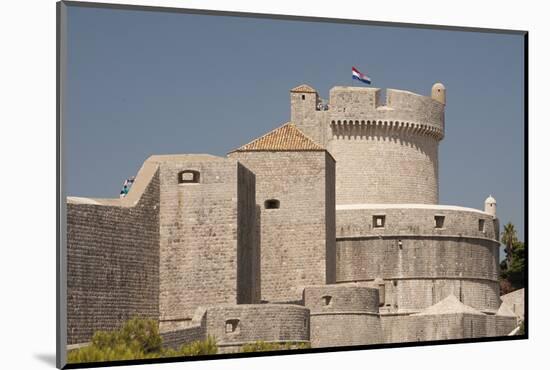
{"x": 439, "y": 93}
{"x": 305, "y": 109}
{"x": 491, "y": 206}
{"x": 303, "y": 104}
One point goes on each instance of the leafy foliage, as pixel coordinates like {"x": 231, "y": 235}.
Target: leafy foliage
{"x": 508, "y": 238}
{"x": 513, "y": 267}
{"x": 521, "y": 328}
{"x": 137, "y": 339}
{"x": 198, "y": 348}
{"x": 261, "y": 346}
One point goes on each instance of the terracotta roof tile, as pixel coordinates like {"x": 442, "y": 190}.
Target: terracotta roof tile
{"x": 303, "y": 89}
{"x": 285, "y": 138}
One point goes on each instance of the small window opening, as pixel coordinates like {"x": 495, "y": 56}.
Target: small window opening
{"x": 378, "y": 221}
{"x": 303, "y": 97}
{"x": 400, "y": 244}
{"x": 232, "y": 326}
{"x": 481, "y": 225}
{"x": 395, "y": 283}
{"x": 439, "y": 221}
{"x": 188, "y": 177}
{"x": 381, "y": 295}
{"x": 272, "y": 204}
{"x": 327, "y": 300}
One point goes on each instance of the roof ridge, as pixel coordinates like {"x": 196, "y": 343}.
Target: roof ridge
{"x": 449, "y": 305}
{"x": 287, "y": 137}
{"x": 261, "y": 137}
{"x": 305, "y": 88}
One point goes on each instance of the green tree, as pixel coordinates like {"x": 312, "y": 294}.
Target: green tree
{"x": 508, "y": 238}
{"x": 513, "y": 267}
{"x": 137, "y": 339}
{"x": 516, "y": 268}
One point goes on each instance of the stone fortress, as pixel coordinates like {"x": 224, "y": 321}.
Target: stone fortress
{"x": 326, "y": 230}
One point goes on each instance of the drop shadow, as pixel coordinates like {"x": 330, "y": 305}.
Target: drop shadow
{"x": 47, "y": 358}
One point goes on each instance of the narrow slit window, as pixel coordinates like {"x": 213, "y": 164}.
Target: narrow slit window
{"x": 189, "y": 177}
{"x": 378, "y": 221}
{"x": 439, "y": 222}
{"x": 303, "y": 97}
{"x": 272, "y": 204}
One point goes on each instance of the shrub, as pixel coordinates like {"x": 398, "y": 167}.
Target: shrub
{"x": 261, "y": 346}
{"x": 197, "y": 348}
{"x": 137, "y": 339}
{"x": 521, "y": 328}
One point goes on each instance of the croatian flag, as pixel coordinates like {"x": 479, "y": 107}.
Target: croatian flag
{"x": 356, "y": 75}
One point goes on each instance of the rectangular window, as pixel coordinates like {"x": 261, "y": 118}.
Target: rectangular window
{"x": 481, "y": 225}
{"x": 439, "y": 221}
{"x": 232, "y": 326}
{"x": 378, "y": 221}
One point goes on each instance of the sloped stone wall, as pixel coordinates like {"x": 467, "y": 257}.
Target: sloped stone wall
{"x": 112, "y": 263}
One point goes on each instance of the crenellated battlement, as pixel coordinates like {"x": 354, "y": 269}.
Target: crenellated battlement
{"x": 373, "y": 128}
{"x": 364, "y": 112}
{"x": 359, "y": 111}
{"x": 385, "y": 141}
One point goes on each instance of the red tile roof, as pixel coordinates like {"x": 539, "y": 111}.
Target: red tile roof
{"x": 285, "y": 138}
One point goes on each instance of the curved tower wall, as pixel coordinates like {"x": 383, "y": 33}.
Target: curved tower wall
{"x": 236, "y": 325}
{"x": 385, "y": 153}
{"x": 343, "y": 315}
{"x": 419, "y": 263}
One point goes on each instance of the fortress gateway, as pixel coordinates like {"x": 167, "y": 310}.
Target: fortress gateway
{"x": 325, "y": 230}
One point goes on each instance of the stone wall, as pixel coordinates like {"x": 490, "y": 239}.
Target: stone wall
{"x": 248, "y": 251}
{"x": 203, "y": 250}
{"x": 304, "y": 114}
{"x": 413, "y": 219}
{"x": 330, "y": 219}
{"x": 406, "y": 295}
{"x": 343, "y": 315}
{"x": 296, "y": 243}
{"x": 400, "y": 329}
{"x": 515, "y": 301}
{"x": 233, "y": 326}
{"x": 499, "y": 326}
{"x": 380, "y": 164}
{"x": 419, "y": 263}
{"x": 196, "y": 331}
{"x": 112, "y": 263}
{"x": 363, "y": 103}
{"x": 413, "y": 328}
{"x": 385, "y": 151}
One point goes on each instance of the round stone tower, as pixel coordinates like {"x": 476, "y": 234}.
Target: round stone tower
{"x": 386, "y": 151}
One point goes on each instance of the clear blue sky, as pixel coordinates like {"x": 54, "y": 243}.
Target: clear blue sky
{"x": 142, "y": 83}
